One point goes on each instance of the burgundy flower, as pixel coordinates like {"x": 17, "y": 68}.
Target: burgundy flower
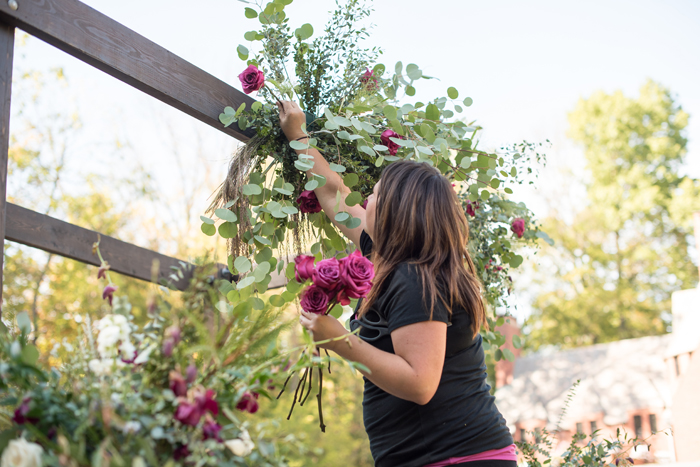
{"x": 20, "y": 417}
{"x": 130, "y": 360}
{"x": 343, "y": 298}
{"x": 356, "y": 274}
{"x": 393, "y": 147}
{"x": 178, "y": 385}
{"x": 191, "y": 373}
{"x": 174, "y": 333}
{"x": 518, "y": 227}
{"x": 102, "y": 272}
{"x": 327, "y": 274}
{"x": 211, "y": 430}
{"x": 249, "y": 402}
{"x": 369, "y": 81}
{"x": 364, "y": 204}
{"x": 168, "y": 347}
{"x": 252, "y": 79}
{"x": 304, "y": 268}
{"x": 308, "y": 203}
{"x": 181, "y": 452}
{"x": 471, "y": 208}
{"x": 188, "y": 413}
{"x": 108, "y": 293}
{"x": 314, "y": 300}
{"x": 207, "y": 402}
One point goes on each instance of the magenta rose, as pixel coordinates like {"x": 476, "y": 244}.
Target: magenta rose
{"x": 181, "y": 452}
{"x": 393, "y": 147}
{"x": 188, "y": 413}
{"x": 308, "y": 203}
{"x": 252, "y": 79}
{"x": 364, "y": 204}
{"x": 471, "y": 208}
{"x": 327, "y": 274}
{"x": 314, "y": 300}
{"x": 178, "y": 385}
{"x": 211, "y": 430}
{"x": 518, "y": 227}
{"x": 304, "y": 268}
{"x": 356, "y": 274}
{"x": 248, "y": 402}
{"x": 206, "y": 401}
{"x": 369, "y": 80}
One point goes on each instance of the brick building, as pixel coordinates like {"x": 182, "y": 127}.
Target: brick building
{"x": 640, "y": 385}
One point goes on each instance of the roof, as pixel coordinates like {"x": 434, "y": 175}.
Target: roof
{"x": 615, "y": 378}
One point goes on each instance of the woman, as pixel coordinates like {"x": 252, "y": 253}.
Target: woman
{"x": 426, "y": 401}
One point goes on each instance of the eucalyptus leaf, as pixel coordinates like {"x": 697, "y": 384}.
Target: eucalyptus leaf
{"x": 207, "y": 220}
{"x": 245, "y": 282}
{"x": 350, "y": 180}
{"x": 242, "y": 264}
{"x": 337, "y": 167}
{"x": 452, "y": 93}
{"x": 208, "y": 229}
{"x": 226, "y": 214}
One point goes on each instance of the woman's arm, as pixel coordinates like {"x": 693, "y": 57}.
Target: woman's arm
{"x": 291, "y": 120}
{"x": 412, "y": 373}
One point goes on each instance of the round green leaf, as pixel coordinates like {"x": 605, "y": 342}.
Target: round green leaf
{"x": 242, "y": 264}
{"x": 508, "y": 190}
{"x": 250, "y": 13}
{"x": 251, "y": 190}
{"x": 413, "y": 71}
{"x": 452, "y": 93}
{"x": 390, "y": 112}
{"x": 337, "y": 167}
{"x": 342, "y": 216}
{"x": 30, "y": 354}
{"x": 206, "y": 220}
{"x": 353, "y": 198}
{"x": 226, "y": 215}
{"x": 432, "y": 112}
{"x": 250, "y": 35}
{"x": 208, "y": 229}
{"x": 228, "y": 230}
{"x": 410, "y": 91}
{"x": 277, "y": 300}
{"x": 350, "y": 180}
{"x": 468, "y": 101}
{"x": 336, "y": 311}
{"x": 245, "y": 282}
{"x": 242, "y": 52}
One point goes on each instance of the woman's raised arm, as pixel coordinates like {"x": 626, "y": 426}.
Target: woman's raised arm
{"x": 291, "y": 120}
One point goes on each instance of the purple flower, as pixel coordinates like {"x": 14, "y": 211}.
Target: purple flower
{"x": 102, "y": 272}
{"x": 252, "y": 79}
{"x": 356, "y": 274}
{"x": 174, "y": 333}
{"x": 181, "y": 452}
{"x": 386, "y": 141}
{"x": 308, "y": 203}
{"x": 108, "y": 293}
{"x": 178, "y": 385}
{"x": 314, "y": 300}
{"x": 20, "y": 417}
{"x": 168, "y": 347}
{"x": 327, "y": 274}
{"x": 303, "y": 268}
{"x": 369, "y": 81}
{"x": 518, "y": 227}
{"x": 211, "y": 430}
{"x": 191, "y": 373}
{"x": 188, "y": 413}
{"x": 471, "y": 208}
{"x": 248, "y": 402}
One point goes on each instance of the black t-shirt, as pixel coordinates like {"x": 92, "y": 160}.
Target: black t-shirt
{"x": 462, "y": 418}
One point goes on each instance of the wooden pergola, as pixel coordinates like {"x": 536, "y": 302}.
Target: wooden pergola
{"x": 98, "y": 40}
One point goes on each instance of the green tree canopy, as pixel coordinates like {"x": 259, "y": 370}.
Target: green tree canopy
{"x": 615, "y": 264}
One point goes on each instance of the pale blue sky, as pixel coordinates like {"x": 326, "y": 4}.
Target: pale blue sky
{"x": 525, "y": 64}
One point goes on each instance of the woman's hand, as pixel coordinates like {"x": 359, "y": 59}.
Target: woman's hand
{"x": 322, "y": 327}
{"x": 291, "y": 119}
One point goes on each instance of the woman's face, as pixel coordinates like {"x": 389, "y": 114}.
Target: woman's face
{"x": 371, "y": 211}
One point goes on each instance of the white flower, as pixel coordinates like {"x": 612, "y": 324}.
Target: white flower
{"x": 21, "y": 453}
{"x": 127, "y": 350}
{"x": 131, "y": 426}
{"x": 241, "y": 446}
{"x": 101, "y": 367}
{"x": 556, "y": 461}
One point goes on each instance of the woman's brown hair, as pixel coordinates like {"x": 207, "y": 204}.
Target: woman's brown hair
{"x": 419, "y": 220}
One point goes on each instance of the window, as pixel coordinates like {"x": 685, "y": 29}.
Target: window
{"x": 652, "y": 422}
{"x": 522, "y": 435}
{"x": 579, "y": 428}
{"x": 594, "y": 427}
{"x": 638, "y": 426}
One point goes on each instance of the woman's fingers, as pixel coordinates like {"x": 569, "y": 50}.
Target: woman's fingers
{"x": 280, "y": 107}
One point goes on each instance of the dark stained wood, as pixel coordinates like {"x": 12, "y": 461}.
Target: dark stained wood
{"x": 96, "y": 39}
{"x": 55, "y": 236}
{"x": 7, "y": 46}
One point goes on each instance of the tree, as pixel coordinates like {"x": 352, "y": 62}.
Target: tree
{"x": 614, "y": 265}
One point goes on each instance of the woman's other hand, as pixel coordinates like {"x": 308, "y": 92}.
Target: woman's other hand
{"x": 291, "y": 119}
{"x": 323, "y": 327}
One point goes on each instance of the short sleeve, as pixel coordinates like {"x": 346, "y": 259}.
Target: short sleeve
{"x": 365, "y": 244}
{"x": 403, "y": 301}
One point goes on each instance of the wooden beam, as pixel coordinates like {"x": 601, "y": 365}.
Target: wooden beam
{"x": 7, "y": 47}
{"x": 100, "y": 41}
{"x": 55, "y": 236}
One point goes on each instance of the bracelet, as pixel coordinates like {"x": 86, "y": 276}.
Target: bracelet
{"x": 301, "y": 138}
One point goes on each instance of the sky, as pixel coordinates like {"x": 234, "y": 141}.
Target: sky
{"x": 525, "y": 64}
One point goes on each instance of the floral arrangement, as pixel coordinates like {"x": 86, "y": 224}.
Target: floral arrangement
{"x": 167, "y": 392}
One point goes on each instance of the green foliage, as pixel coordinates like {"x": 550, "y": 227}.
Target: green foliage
{"x": 615, "y": 265}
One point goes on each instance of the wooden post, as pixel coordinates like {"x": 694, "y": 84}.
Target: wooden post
{"x": 7, "y": 47}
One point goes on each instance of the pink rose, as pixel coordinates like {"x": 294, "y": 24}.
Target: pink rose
{"x": 304, "y": 268}
{"x": 518, "y": 227}
{"x": 252, "y": 79}
{"x": 356, "y": 274}
{"x": 308, "y": 203}
{"x": 369, "y": 80}
{"x": 248, "y": 402}
{"x": 393, "y": 147}
{"x": 327, "y": 274}
{"x": 314, "y": 300}
{"x": 471, "y": 208}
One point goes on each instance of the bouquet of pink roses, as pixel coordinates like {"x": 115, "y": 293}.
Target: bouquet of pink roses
{"x": 333, "y": 281}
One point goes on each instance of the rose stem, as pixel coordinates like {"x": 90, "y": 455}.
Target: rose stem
{"x": 311, "y": 377}
{"x": 285, "y": 384}
{"x": 329, "y": 361}
{"x": 318, "y": 397}
{"x": 302, "y": 384}
{"x": 294, "y": 401}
